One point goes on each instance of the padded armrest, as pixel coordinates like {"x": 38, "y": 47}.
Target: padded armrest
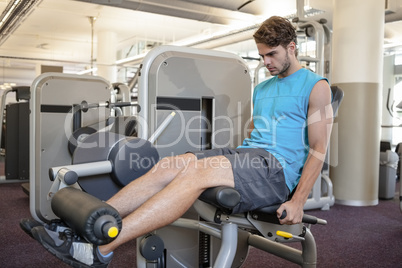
{"x": 268, "y": 214}
{"x": 269, "y": 210}
{"x": 223, "y": 197}
{"x": 226, "y": 198}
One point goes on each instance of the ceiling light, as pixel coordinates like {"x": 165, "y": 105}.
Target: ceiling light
{"x": 7, "y": 85}
{"x": 15, "y": 12}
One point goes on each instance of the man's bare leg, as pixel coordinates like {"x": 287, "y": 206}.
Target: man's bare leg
{"x": 140, "y": 190}
{"x": 170, "y": 203}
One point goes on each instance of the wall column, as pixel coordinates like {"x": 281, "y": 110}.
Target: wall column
{"x": 106, "y": 56}
{"x": 357, "y": 58}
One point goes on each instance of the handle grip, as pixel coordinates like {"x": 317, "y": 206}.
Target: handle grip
{"x": 306, "y": 219}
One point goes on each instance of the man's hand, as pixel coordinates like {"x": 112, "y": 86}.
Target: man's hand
{"x": 294, "y": 211}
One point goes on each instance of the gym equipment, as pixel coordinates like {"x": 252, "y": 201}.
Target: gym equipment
{"x": 121, "y": 94}
{"x": 260, "y": 229}
{"x": 321, "y": 34}
{"x": 55, "y": 116}
{"x": 192, "y": 99}
{"x": 217, "y": 224}
{"x": 388, "y": 171}
{"x": 14, "y": 137}
{"x": 322, "y": 193}
{"x": 93, "y": 219}
{"x": 195, "y": 239}
{"x": 398, "y": 150}
{"x": 67, "y": 204}
{"x": 109, "y": 159}
{"x": 210, "y": 92}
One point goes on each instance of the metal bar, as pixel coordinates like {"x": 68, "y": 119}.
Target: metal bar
{"x": 197, "y": 225}
{"x": 86, "y": 169}
{"x": 309, "y": 250}
{"x": 277, "y": 249}
{"x": 227, "y": 251}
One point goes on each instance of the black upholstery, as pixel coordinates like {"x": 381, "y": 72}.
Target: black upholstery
{"x": 86, "y": 214}
{"x": 337, "y": 96}
{"x": 385, "y": 146}
{"x": 225, "y": 198}
{"x": 398, "y": 150}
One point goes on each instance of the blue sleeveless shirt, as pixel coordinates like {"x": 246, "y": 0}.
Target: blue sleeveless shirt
{"x": 280, "y": 121}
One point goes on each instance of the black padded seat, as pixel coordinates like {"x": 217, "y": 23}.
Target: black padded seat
{"x": 222, "y": 197}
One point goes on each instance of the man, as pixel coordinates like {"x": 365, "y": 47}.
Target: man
{"x": 292, "y": 119}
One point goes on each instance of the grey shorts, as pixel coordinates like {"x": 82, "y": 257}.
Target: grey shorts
{"x": 258, "y": 177}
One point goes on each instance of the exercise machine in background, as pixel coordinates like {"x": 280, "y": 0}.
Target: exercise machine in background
{"x": 315, "y": 38}
{"x": 14, "y": 133}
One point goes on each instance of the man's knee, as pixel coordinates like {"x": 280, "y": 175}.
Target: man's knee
{"x": 208, "y": 165}
{"x": 177, "y": 162}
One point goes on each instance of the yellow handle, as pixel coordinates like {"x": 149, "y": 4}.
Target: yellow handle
{"x": 284, "y": 234}
{"x": 112, "y": 232}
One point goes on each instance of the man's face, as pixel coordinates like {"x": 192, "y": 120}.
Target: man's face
{"x": 276, "y": 59}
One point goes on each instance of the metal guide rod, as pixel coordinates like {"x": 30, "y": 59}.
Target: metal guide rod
{"x": 161, "y": 128}
{"x": 86, "y": 169}
{"x": 85, "y": 106}
{"x": 227, "y": 251}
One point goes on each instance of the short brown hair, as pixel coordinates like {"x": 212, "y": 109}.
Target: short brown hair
{"x": 276, "y": 31}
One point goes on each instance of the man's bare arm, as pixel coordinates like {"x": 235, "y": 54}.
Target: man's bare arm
{"x": 320, "y": 117}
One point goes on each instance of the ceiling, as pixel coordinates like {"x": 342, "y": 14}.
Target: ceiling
{"x": 60, "y": 33}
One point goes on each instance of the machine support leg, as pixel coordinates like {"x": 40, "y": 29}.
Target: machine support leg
{"x": 309, "y": 252}
{"x": 227, "y": 251}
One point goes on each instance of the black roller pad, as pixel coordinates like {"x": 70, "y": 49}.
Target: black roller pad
{"x": 86, "y": 215}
